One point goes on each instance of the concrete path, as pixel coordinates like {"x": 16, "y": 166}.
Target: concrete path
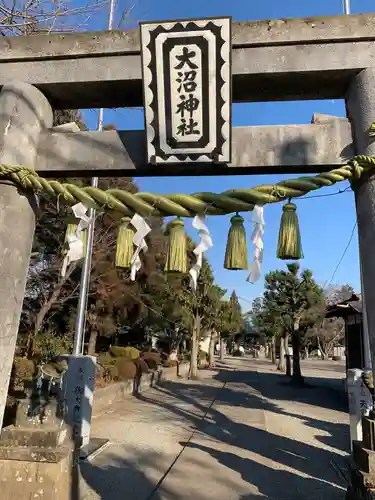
{"x": 239, "y": 433}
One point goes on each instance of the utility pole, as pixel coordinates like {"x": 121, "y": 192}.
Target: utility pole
{"x": 79, "y": 336}
{"x": 346, "y": 7}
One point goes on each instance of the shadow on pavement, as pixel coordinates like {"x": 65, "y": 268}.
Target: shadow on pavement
{"x": 119, "y": 480}
{"x": 316, "y": 462}
{"x": 319, "y": 391}
{"x": 305, "y": 458}
{"x": 271, "y": 463}
{"x": 274, "y": 484}
{"x": 267, "y": 388}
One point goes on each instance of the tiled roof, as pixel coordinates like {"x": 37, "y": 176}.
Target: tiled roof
{"x": 354, "y": 303}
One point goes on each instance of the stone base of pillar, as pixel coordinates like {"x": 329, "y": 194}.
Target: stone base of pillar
{"x": 362, "y": 485}
{"x": 24, "y": 479}
{"x": 35, "y": 464}
{"x": 368, "y": 431}
{"x": 362, "y": 469}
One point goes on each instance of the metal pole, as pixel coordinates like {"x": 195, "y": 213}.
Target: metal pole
{"x": 346, "y": 6}
{"x": 85, "y": 276}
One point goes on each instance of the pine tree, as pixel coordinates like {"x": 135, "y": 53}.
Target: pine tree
{"x": 290, "y": 299}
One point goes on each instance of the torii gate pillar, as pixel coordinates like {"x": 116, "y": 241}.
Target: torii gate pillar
{"x": 24, "y": 113}
{"x": 360, "y": 102}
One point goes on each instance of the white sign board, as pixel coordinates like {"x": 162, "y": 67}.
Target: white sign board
{"x": 187, "y": 83}
{"x": 79, "y": 390}
{"x": 360, "y": 403}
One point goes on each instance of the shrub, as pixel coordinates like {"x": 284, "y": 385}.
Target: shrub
{"x": 23, "y": 370}
{"x": 126, "y": 368}
{"x": 111, "y": 373}
{"x": 125, "y": 352}
{"x": 49, "y": 346}
{"x": 106, "y": 368}
{"x": 105, "y": 359}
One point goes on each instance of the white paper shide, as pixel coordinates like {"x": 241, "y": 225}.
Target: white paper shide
{"x": 199, "y": 223}
{"x": 255, "y": 267}
{"x": 75, "y": 240}
{"x": 140, "y": 243}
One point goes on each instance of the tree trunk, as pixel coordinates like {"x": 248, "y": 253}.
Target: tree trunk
{"x": 221, "y": 349}
{"x": 306, "y": 352}
{"x": 323, "y": 354}
{"x": 267, "y": 351}
{"x": 193, "y": 371}
{"x": 273, "y": 350}
{"x": 281, "y": 365}
{"x": 288, "y": 367}
{"x": 211, "y": 351}
{"x": 44, "y": 310}
{"x": 92, "y": 342}
{"x": 296, "y": 343}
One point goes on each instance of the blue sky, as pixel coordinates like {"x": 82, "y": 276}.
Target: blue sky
{"x": 326, "y": 223}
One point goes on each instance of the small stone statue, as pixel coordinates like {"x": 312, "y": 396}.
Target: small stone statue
{"x": 45, "y": 403}
{"x": 368, "y": 381}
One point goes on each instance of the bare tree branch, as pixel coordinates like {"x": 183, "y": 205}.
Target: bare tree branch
{"x": 21, "y": 17}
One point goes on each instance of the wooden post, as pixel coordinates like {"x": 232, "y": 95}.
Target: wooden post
{"x": 24, "y": 112}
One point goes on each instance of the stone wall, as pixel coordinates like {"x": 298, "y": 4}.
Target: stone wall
{"x": 107, "y": 395}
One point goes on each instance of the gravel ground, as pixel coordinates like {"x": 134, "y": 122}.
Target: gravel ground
{"x": 238, "y": 433}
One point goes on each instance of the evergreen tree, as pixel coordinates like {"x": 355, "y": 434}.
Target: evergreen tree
{"x": 291, "y": 299}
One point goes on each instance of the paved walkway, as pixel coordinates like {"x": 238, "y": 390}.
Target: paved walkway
{"x": 239, "y": 433}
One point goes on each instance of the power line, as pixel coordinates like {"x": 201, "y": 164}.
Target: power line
{"x": 342, "y": 256}
{"x": 341, "y": 191}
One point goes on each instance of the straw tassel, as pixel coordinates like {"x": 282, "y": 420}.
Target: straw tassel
{"x": 289, "y": 246}
{"x": 124, "y": 244}
{"x": 236, "y": 251}
{"x": 177, "y": 248}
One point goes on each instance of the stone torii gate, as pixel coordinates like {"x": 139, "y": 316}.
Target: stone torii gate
{"x": 315, "y": 58}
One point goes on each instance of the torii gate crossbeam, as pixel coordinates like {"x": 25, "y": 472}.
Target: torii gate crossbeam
{"x": 275, "y": 60}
